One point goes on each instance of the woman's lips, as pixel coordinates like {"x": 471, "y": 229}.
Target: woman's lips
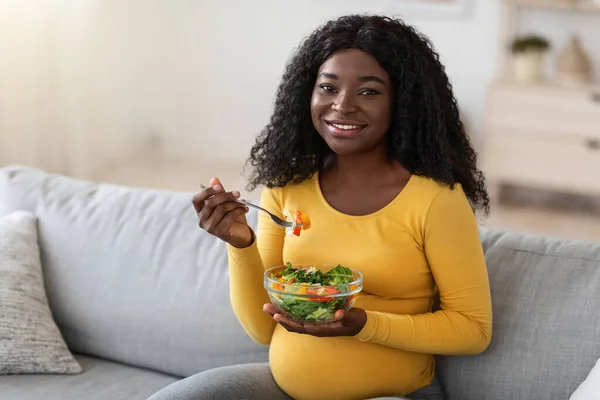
{"x": 344, "y": 128}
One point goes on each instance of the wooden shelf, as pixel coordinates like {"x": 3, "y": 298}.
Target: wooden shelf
{"x": 578, "y": 6}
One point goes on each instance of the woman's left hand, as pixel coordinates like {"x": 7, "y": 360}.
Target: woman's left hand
{"x": 346, "y": 323}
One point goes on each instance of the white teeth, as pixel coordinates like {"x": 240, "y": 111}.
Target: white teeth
{"x": 347, "y": 127}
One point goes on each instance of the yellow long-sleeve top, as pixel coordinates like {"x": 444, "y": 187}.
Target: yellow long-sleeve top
{"x": 425, "y": 240}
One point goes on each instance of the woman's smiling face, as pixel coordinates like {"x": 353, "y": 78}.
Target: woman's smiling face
{"x": 351, "y": 103}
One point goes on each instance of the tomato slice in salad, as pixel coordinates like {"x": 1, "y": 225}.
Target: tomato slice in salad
{"x": 298, "y": 218}
{"x": 315, "y": 292}
{"x": 325, "y": 290}
{"x": 331, "y": 290}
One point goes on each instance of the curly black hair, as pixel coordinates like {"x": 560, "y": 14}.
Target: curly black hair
{"x": 426, "y": 134}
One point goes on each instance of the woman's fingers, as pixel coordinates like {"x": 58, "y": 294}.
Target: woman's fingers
{"x": 215, "y": 181}
{"x": 199, "y": 198}
{"x": 218, "y": 220}
{"x": 214, "y": 187}
{"x": 321, "y": 330}
{"x": 290, "y": 326}
{"x": 210, "y": 198}
{"x": 230, "y": 217}
{"x": 270, "y": 309}
{"x": 280, "y": 319}
{"x": 220, "y": 198}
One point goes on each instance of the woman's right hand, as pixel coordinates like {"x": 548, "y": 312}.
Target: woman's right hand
{"x": 221, "y": 216}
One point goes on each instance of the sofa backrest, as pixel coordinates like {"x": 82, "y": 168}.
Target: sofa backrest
{"x": 129, "y": 275}
{"x": 546, "y": 333}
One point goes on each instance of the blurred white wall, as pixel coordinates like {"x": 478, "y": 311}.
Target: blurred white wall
{"x": 82, "y": 79}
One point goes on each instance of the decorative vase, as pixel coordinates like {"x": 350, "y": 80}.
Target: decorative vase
{"x": 528, "y": 66}
{"x": 574, "y": 66}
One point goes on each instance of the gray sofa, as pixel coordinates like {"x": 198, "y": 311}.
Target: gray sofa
{"x": 140, "y": 294}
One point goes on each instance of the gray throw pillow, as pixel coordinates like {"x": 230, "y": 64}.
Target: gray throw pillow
{"x": 30, "y": 341}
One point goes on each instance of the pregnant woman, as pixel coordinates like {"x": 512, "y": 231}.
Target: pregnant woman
{"x": 366, "y": 139}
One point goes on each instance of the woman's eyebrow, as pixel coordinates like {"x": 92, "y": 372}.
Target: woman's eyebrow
{"x": 328, "y": 75}
{"x": 371, "y": 78}
{"x": 367, "y": 78}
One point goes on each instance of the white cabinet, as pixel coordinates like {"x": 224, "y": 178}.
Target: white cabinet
{"x": 543, "y": 136}
{"x": 540, "y": 135}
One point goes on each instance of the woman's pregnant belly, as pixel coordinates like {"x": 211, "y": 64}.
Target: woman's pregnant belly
{"x": 340, "y": 368}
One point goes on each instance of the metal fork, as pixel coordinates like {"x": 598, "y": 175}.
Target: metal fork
{"x": 275, "y": 218}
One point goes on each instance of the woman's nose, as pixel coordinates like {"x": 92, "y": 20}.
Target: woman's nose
{"x": 344, "y": 103}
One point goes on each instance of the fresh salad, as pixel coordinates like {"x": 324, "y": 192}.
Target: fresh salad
{"x": 316, "y": 295}
{"x": 300, "y": 222}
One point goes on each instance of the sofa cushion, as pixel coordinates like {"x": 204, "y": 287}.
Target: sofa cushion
{"x": 101, "y": 380}
{"x": 590, "y": 388}
{"x": 30, "y": 342}
{"x": 546, "y": 333}
{"x": 130, "y": 277}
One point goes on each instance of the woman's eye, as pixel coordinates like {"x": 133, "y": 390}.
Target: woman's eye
{"x": 327, "y": 88}
{"x": 369, "y": 92}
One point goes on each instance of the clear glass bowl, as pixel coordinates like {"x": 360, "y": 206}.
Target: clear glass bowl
{"x": 308, "y": 303}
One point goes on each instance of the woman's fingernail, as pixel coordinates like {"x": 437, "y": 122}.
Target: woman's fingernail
{"x": 217, "y": 188}
{"x": 236, "y": 194}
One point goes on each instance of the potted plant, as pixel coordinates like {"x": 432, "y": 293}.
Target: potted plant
{"x": 528, "y": 52}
